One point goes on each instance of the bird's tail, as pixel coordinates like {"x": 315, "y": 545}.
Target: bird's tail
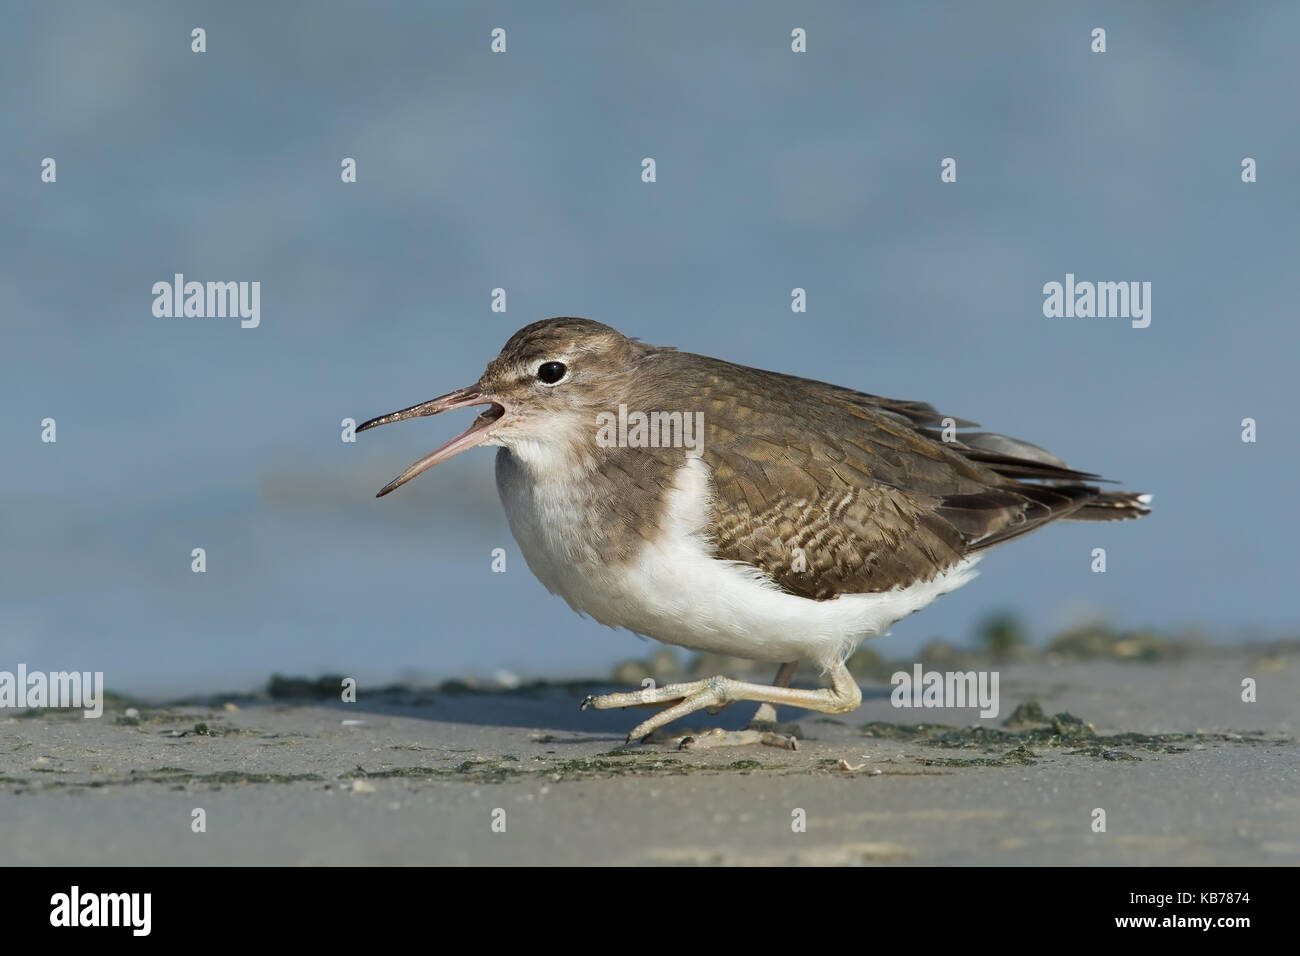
{"x": 1113, "y": 506}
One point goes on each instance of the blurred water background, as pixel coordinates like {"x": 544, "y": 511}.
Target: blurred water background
{"x": 522, "y": 171}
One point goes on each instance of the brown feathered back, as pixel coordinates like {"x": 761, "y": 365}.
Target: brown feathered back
{"x": 864, "y": 496}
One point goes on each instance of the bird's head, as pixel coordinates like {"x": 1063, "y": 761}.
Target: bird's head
{"x": 544, "y": 388}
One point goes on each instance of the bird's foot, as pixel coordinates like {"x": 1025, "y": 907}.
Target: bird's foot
{"x": 714, "y": 693}
{"x": 685, "y": 699}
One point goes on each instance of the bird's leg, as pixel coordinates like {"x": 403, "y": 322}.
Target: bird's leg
{"x": 765, "y": 716}
{"x": 843, "y": 695}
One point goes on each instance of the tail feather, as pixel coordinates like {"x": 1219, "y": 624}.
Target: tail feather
{"x": 1113, "y": 506}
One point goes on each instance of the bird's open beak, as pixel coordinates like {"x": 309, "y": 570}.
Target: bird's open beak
{"x": 474, "y": 435}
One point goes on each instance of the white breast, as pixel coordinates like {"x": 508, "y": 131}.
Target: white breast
{"x": 673, "y": 590}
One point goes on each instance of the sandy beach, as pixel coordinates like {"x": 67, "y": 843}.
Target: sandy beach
{"x": 1186, "y": 773}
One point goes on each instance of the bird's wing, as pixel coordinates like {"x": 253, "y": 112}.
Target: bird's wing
{"x": 865, "y": 495}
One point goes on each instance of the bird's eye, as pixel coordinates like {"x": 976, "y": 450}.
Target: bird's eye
{"x": 550, "y": 373}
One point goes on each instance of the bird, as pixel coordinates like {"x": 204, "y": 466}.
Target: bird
{"x": 742, "y": 512}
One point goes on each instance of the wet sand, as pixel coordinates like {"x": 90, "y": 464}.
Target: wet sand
{"x": 1186, "y": 773}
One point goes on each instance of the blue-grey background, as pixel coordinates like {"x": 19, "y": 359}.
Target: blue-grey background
{"x": 522, "y": 171}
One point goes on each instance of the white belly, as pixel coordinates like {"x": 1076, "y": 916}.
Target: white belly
{"x": 672, "y": 590}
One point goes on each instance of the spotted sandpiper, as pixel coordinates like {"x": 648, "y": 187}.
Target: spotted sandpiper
{"x": 742, "y": 512}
